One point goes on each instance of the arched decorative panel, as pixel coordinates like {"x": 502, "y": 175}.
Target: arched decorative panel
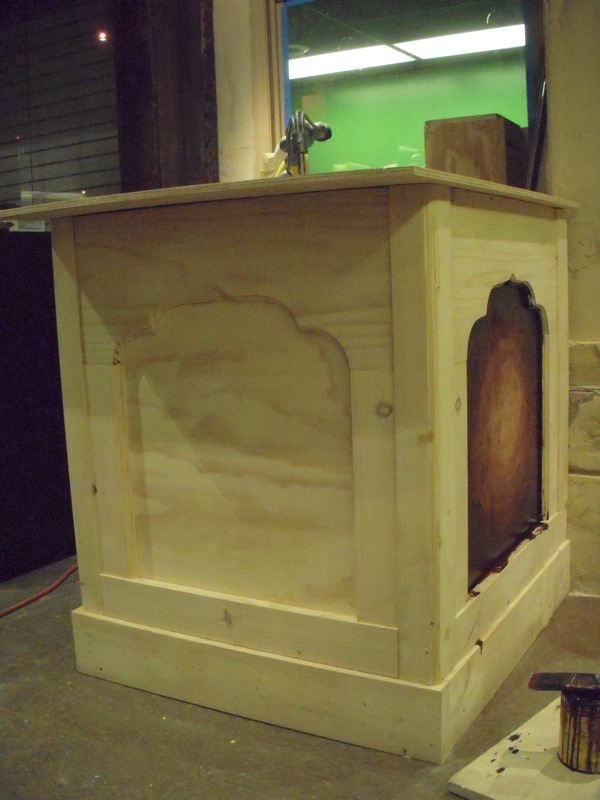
{"x": 504, "y": 377}
{"x": 240, "y": 448}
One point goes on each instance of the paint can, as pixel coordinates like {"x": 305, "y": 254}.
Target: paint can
{"x": 579, "y": 747}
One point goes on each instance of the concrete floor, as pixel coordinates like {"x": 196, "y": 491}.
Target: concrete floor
{"x": 65, "y": 735}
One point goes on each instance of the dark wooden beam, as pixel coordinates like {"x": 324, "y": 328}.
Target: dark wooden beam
{"x": 166, "y": 93}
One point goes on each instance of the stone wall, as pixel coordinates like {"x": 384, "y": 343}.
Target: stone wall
{"x": 584, "y": 465}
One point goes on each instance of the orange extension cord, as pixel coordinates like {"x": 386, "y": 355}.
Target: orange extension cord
{"x": 5, "y": 611}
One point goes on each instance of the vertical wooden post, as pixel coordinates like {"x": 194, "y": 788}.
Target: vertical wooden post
{"x": 166, "y": 93}
{"x": 249, "y": 85}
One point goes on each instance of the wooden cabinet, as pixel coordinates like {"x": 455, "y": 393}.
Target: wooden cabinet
{"x": 265, "y": 390}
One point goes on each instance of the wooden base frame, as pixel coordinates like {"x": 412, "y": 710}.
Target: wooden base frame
{"x": 395, "y": 716}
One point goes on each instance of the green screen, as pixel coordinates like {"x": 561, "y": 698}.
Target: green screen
{"x": 378, "y": 118}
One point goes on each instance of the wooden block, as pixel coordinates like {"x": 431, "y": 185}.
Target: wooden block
{"x": 489, "y": 147}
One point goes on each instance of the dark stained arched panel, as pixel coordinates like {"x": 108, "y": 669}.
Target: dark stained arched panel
{"x": 504, "y": 384}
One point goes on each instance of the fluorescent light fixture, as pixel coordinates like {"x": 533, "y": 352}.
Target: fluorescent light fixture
{"x": 381, "y": 55}
{"x": 459, "y": 44}
{"x": 345, "y": 60}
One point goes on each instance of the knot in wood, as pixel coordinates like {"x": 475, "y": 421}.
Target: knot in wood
{"x": 384, "y": 410}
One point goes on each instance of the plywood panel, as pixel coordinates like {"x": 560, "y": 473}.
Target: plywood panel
{"x": 240, "y": 443}
{"x": 318, "y": 253}
{"x": 366, "y": 337}
{"x": 491, "y": 242}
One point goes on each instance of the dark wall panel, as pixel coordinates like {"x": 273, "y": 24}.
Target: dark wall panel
{"x": 36, "y": 526}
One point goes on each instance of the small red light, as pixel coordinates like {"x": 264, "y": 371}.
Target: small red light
{"x": 102, "y": 36}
